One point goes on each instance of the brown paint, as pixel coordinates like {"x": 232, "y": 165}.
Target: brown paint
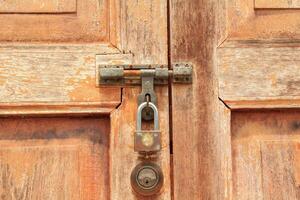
{"x": 44, "y": 6}
{"x": 55, "y": 21}
{"x": 40, "y": 156}
{"x": 50, "y": 70}
{"x": 264, "y": 151}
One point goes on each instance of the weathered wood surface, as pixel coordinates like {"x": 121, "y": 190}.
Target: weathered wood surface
{"x": 58, "y": 108}
{"x": 54, "y": 158}
{"x": 51, "y": 77}
{"x": 38, "y": 6}
{"x": 247, "y": 23}
{"x": 198, "y": 163}
{"x": 144, "y": 30}
{"x": 278, "y": 170}
{"x": 144, "y": 37}
{"x": 265, "y": 103}
{"x": 90, "y": 23}
{"x": 95, "y": 48}
{"x": 265, "y": 147}
{"x": 296, "y": 165}
{"x": 60, "y": 79}
{"x": 277, "y": 4}
{"x": 247, "y": 172}
{"x": 224, "y": 154}
{"x": 122, "y": 156}
{"x": 259, "y": 76}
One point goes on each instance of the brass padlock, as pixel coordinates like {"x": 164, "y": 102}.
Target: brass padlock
{"x": 147, "y": 179}
{"x": 147, "y": 141}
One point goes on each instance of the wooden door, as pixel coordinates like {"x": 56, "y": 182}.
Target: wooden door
{"x": 239, "y": 138}
{"x": 62, "y": 136}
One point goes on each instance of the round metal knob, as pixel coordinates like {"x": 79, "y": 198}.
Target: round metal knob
{"x": 147, "y": 179}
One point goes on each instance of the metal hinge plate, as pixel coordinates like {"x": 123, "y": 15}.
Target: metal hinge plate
{"x": 132, "y": 74}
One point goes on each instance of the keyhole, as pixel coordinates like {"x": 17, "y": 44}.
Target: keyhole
{"x": 147, "y": 179}
{"x": 147, "y": 182}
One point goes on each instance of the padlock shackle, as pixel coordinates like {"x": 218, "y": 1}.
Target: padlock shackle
{"x": 139, "y": 115}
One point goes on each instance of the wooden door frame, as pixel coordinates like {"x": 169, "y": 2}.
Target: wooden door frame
{"x": 197, "y": 161}
{"x": 80, "y": 94}
{"x": 201, "y": 113}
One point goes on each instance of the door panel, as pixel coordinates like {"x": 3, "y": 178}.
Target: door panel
{"x": 247, "y": 22}
{"x": 278, "y": 159}
{"x": 264, "y": 152}
{"x": 49, "y": 58}
{"x": 54, "y": 158}
{"x": 44, "y": 6}
{"x": 241, "y": 113}
{"x": 277, "y": 4}
{"x": 60, "y": 21}
{"x": 52, "y": 76}
{"x": 262, "y": 72}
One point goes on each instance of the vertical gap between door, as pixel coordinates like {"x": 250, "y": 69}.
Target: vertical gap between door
{"x": 170, "y": 97}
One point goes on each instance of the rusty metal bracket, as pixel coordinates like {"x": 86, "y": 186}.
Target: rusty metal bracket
{"x": 132, "y": 74}
{"x": 147, "y": 76}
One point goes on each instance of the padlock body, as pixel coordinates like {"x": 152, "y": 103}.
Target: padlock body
{"x": 147, "y": 141}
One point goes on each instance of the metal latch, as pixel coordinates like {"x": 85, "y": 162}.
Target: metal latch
{"x": 132, "y": 74}
{"x": 147, "y": 76}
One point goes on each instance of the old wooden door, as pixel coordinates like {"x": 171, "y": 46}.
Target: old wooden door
{"x": 62, "y": 136}
{"x": 239, "y": 137}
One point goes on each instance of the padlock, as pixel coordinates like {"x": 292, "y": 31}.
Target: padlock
{"x": 147, "y": 179}
{"x": 147, "y": 141}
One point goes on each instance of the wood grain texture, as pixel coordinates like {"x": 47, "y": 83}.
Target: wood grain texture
{"x": 144, "y": 30}
{"x": 51, "y": 76}
{"x": 296, "y": 165}
{"x": 54, "y": 158}
{"x": 41, "y": 178}
{"x": 249, "y": 75}
{"x": 95, "y": 48}
{"x": 265, "y": 103}
{"x": 277, "y": 4}
{"x": 123, "y": 158}
{"x": 144, "y": 36}
{"x": 61, "y": 77}
{"x": 247, "y": 23}
{"x": 58, "y": 108}
{"x": 38, "y": 6}
{"x": 224, "y": 154}
{"x": 197, "y": 162}
{"x": 278, "y": 170}
{"x": 264, "y": 150}
{"x": 90, "y": 23}
{"x": 247, "y": 170}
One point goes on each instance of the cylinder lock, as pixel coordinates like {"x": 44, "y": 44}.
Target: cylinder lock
{"x": 147, "y": 179}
